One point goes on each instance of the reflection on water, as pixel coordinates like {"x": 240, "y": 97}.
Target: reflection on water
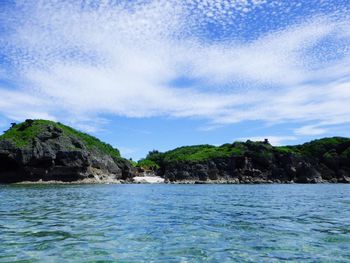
{"x": 172, "y": 223}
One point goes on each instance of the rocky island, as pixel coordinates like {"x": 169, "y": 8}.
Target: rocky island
{"x": 46, "y": 151}
{"x": 319, "y": 161}
{"x": 40, "y": 150}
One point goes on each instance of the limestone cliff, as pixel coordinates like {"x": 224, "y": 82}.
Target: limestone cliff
{"x": 325, "y": 160}
{"x": 44, "y": 150}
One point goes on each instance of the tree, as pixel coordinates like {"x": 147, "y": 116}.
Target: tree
{"x": 155, "y": 156}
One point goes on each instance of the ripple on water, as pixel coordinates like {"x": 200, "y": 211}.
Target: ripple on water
{"x": 174, "y": 223}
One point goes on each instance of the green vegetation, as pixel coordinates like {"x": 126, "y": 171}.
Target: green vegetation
{"x": 191, "y": 153}
{"x": 326, "y": 148}
{"x": 147, "y": 164}
{"x": 132, "y": 162}
{"x": 322, "y": 148}
{"x": 91, "y": 142}
{"x": 286, "y": 149}
{"x": 22, "y": 135}
{"x": 202, "y": 152}
{"x": 346, "y": 154}
{"x": 318, "y": 148}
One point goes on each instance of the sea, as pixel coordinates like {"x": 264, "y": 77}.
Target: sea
{"x": 175, "y": 223}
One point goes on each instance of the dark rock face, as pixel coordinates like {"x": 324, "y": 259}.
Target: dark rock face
{"x": 52, "y": 155}
{"x": 256, "y": 166}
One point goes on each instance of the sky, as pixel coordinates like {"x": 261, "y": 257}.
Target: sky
{"x": 159, "y": 74}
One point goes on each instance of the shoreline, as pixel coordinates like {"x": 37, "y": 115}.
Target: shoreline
{"x": 185, "y": 182}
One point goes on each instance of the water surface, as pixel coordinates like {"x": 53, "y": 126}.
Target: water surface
{"x": 175, "y": 223}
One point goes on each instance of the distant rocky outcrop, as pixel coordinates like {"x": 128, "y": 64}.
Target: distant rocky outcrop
{"x": 325, "y": 160}
{"x": 48, "y": 151}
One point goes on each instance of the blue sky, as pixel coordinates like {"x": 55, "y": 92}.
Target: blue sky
{"x": 145, "y": 75}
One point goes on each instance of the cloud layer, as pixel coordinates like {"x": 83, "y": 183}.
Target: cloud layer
{"x": 81, "y": 60}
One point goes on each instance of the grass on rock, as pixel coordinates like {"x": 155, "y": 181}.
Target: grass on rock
{"x": 22, "y": 135}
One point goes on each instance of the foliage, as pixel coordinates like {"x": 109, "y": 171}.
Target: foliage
{"x": 318, "y": 148}
{"x": 155, "y": 156}
{"x": 286, "y": 149}
{"x": 91, "y": 141}
{"x": 192, "y": 153}
{"x": 132, "y": 162}
{"x": 323, "y": 148}
{"x": 346, "y": 153}
{"x": 22, "y": 134}
{"x": 147, "y": 164}
{"x": 201, "y": 152}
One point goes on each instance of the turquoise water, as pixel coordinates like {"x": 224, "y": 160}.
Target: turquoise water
{"x": 175, "y": 223}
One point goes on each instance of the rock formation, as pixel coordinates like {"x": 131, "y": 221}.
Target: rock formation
{"x": 325, "y": 160}
{"x": 45, "y": 150}
{"x": 39, "y": 150}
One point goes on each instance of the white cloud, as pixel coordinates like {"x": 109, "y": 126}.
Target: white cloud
{"x": 318, "y": 103}
{"x": 80, "y": 63}
{"x": 273, "y": 140}
{"x": 276, "y": 58}
{"x": 18, "y": 105}
{"x": 310, "y": 130}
